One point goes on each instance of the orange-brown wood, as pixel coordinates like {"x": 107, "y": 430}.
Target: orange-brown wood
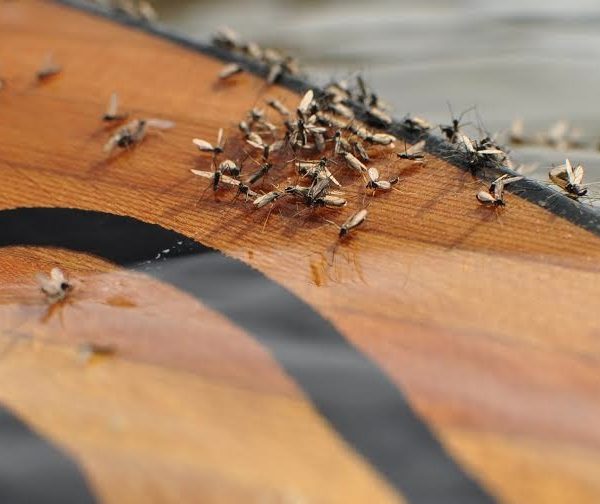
{"x": 486, "y": 321}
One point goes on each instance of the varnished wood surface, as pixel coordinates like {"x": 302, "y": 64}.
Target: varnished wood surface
{"x": 487, "y": 322}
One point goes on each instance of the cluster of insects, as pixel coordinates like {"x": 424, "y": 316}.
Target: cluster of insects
{"x": 488, "y": 152}
{"x": 561, "y": 136}
{"x": 277, "y": 63}
{"x": 323, "y": 141}
{"x": 133, "y": 132}
{"x": 136, "y": 9}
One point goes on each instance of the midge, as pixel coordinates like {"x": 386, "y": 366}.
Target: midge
{"x": 352, "y": 222}
{"x": 225, "y": 179}
{"x": 260, "y": 173}
{"x": 316, "y": 170}
{"x": 112, "y": 110}
{"x": 381, "y": 139}
{"x": 229, "y": 71}
{"x": 134, "y": 132}
{"x": 55, "y": 287}
{"x": 379, "y": 115}
{"x": 266, "y": 148}
{"x": 354, "y": 163}
{"x": 569, "y": 179}
{"x": 48, "y": 69}
{"x": 360, "y": 149}
{"x": 205, "y": 146}
{"x": 452, "y": 131}
{"x": 340, "y": 144}
{"x": 265, "y": 199}
{"x": 479, "y": 150}
{"x": 279, "y": 107}
{"x": 414, "y": 153}
{"x": 227, "y": 38}
{"x": 304, "y": 105}
{"x": 416, "y": 124}
{"x": 376, "y": 184}
{"x": 229, "y": 167}
{"x": 495, "y": 195}
{"x": 329, "y": 201}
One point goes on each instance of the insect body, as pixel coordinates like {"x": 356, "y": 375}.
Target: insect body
{"x": 55, "y": 287}
{"x": 381, "y": 139}
{"x": 260, "y": 173}
{"x": 330, "y": 200}
{"x": 569, "y": 179}
{"x": 205, "y": 146}
{"x": 316, "y": 170}
{"x": 304, "y": 105}
{"x": 228, "y": 167}
{"x": 452, "y": 131}
{"x": 353, "y": 222}
{"x": 267, "y": 198}
{"x": 48, "y": 69}
{"x": 380, "y": 115}
{"x": 266, "y": 148}
{"x": 494, "y": 196}
{"x": 134, "y": 132}
{"x": 225, "y": 179}
{"x": 414, "y": 153}
{"x": 229, "y": 71}
{"x": 416, "y": 124}
{"x": 279, "y": 107}
{"x": 376, "y": 184}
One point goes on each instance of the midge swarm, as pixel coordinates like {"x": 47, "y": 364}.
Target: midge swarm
{"x": 323, "y": 153}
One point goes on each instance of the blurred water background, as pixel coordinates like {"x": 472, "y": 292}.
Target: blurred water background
{"x": 511, "y": 58}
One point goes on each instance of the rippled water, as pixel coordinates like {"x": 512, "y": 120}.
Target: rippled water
{"x": 529, "y": 59}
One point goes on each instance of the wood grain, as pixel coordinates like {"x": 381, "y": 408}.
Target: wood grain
{"x": 485, "y": 320}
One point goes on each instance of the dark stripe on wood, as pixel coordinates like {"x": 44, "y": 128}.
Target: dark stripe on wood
{"x": 34, "y": 471}
{"x": 358, "y": 400}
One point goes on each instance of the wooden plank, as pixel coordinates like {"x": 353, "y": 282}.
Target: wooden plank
{"x": 485, "y": 320}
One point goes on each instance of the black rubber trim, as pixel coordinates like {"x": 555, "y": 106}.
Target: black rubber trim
{"x": 32, "y": 470}
{"x": 582, "y": 215}
{"x": 348, "y": 389}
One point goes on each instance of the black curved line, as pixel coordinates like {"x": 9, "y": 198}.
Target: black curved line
{"x": 531, "y": 190}
{"x": 346, "y": 387}
{"x": 32, "y": 470}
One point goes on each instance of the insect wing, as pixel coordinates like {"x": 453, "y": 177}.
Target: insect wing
{"x": 356, "y": 220}
{"x": 578, "y": 175}
{"x": 162, "y": 124}
{"x": 255, "y": 144}
{"x": 220, "y": 138}
{"x": 203, "y": 145}
{"x": 202, "y": 173}
{"x": 466, "y": 141}
{"x": 485, "y": 198}
{"x": 229, "y": 70}
{"x": 558, "y": 175}
{"x": 57, "y": 276}
{"x": 305, "y": 102}
{"x": 113, "y": 105}
{"x": 416, "y": 149}
{"x": 373, "y": 174}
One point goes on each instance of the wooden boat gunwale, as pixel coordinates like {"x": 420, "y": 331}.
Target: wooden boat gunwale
{"x": 583, "y": 215}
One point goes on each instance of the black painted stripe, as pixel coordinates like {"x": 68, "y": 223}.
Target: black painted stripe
{"x": 34, "y": 471}
{"x": 347, "y": 388}
{"x": 580, "y": 214}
